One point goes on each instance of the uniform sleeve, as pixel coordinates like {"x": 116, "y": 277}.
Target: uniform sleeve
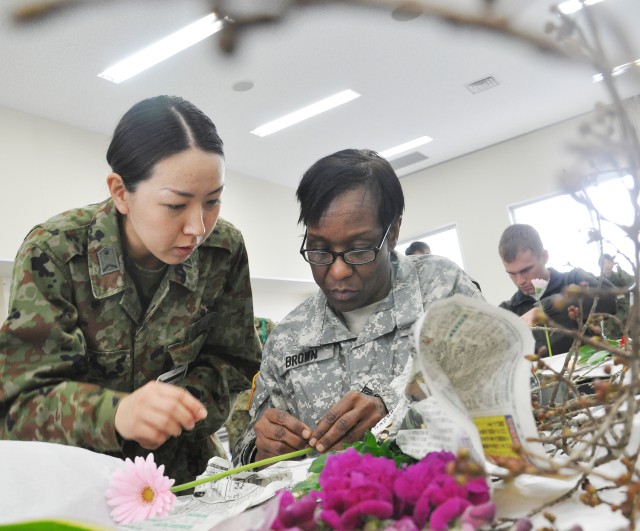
{"x": 230, "y": 356}
{"x": 468, "y": 287}
{"x": 457, "y": 281}
{"x": 42, "y": 356}
{"x": 441, "y": 278}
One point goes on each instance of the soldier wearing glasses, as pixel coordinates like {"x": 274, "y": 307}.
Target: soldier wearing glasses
{"x": 331, "y": 368}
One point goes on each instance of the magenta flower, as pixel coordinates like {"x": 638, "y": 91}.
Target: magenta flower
{"x": 475, "y": 516}
{"x": 413, "y": 480}
{"x": 477, "y": 490}
{"x": 427, "y": 493}
{"x": 296, "y": 514}
{"x": 364, "y": 491}
{"x": 441, "y": 490}
{"x": 446, "y": 513}
{"x": 139, "y": 490}
{"x": 356, "y": 486}
{"x": 404, "y": 524}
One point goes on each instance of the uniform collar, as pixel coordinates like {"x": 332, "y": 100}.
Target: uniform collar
{"x": 399, "y": 309}
{"x": 106, "y": 258}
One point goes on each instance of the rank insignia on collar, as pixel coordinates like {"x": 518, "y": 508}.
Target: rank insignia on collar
{"x": 108, "y": 259}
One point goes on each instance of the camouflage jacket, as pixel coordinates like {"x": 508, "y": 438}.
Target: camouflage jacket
{"x": 311, "y": 359}
{"x": 614, "y": 328}
{"x": 76, "y": 339}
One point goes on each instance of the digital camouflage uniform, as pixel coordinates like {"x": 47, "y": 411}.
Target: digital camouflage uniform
{"x": 76, "y": 339}
{"x": 311, "y": 359}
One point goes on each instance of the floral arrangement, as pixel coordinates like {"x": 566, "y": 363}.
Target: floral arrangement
{"x": 363, "y": 491}
{"x": 610, "y": 146}
{"x": 367, "y": 486}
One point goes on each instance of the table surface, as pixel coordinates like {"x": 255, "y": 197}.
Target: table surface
{"x": 43, "y": 480}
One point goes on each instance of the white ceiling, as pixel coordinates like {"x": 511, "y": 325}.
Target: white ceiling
{"x": 411, "y": 75}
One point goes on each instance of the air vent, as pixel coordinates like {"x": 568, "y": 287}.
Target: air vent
{"x": 407, "y": 160}
{"x": 482, "y": 84}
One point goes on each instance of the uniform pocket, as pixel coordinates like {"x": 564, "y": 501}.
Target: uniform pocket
{"x": 110, "y": 369}
{"x": 182, "y": 353}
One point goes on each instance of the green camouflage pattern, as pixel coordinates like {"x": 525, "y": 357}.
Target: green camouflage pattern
{"x": 311, "y": 359}
{"x": 264, "y": 327}
{"x": 620, "y": 279}
{"x": 76, "y": 339}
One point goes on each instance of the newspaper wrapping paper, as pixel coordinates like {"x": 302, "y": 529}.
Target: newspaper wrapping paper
{"x": 217, "y": 504}
{"x": 476, "y": 381}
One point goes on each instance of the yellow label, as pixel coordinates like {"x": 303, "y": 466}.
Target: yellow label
{"x": 498, "y": 435}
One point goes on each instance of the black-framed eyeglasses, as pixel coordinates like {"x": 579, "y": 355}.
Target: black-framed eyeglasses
{"x": 350, "y": 256}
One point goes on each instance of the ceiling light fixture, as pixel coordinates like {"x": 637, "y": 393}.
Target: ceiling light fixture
{"x": 617, "y": 70}
{"x": 571, "y": 6}
{"x": 406, "y": 146}
{"x": 306, "y": 112}
{"x": 163, "y": 49}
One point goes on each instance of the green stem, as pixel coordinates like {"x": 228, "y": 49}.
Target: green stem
{"x": 546, "y": 333}
{"x": 242, "y": 468}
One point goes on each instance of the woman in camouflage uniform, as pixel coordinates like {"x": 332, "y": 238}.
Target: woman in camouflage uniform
{"x": 130, "y": 324}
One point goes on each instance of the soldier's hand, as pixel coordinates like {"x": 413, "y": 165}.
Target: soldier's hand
{"x": 347, "y": 420}
{"x": 155, "y": 412}
{"x": 278, "y": 432}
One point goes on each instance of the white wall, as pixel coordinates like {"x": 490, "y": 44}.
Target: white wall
{"x": 49, "y": 167}
{"x": 46, "y": 168}
{"x": 476, "y": 190}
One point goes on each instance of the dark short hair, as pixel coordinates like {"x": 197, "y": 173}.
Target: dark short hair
{"x": 606, "y": 256}
{"x": 154, "y": 129}
{"x": 346, "y": 170}
{"x": 417, "y": 247}
{"x": 519, "y": 237}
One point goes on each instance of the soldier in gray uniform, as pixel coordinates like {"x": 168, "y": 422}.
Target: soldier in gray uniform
{"x": 130, "y": 324}
{"x": 328, "y": 368}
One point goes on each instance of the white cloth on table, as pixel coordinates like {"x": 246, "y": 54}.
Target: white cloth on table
{"x": 40, "y": 480}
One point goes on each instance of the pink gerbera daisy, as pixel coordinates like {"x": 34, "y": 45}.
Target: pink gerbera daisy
{"x": 139, "y": 490}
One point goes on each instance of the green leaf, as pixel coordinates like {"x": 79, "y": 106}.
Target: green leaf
{"x": 598, "y": 357}
{"x": 311, "y": 482}
{"x": 317, "y": 465}
{"x": 369, "y": 445}
{"x": 587, "y": 352}
{"x": 388, "y": 449}
{"x": 306, "y": 486}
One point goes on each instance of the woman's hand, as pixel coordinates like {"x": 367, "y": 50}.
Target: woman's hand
{"x": 278, "y": 432}
{"x": 155, "y": 412}
{"x": 347, "y": 421}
